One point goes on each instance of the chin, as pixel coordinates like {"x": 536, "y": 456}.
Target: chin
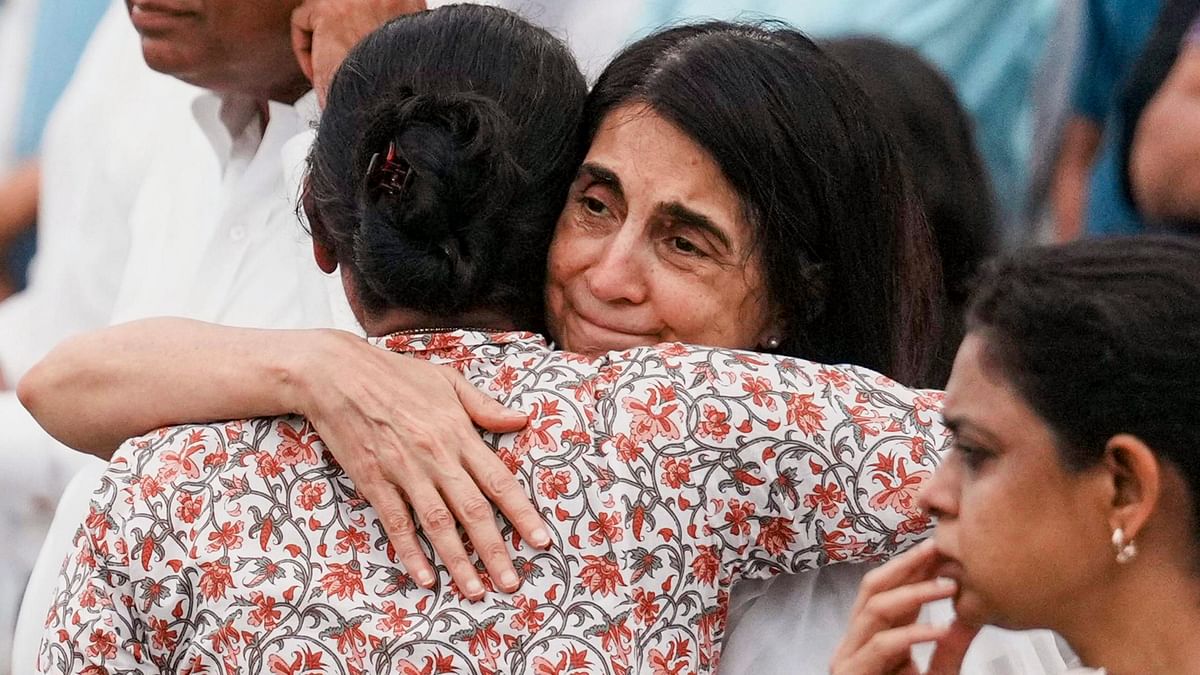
{"x": 168, "y": 57}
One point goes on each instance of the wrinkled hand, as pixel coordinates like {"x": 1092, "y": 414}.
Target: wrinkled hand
{"x": 402, "y": 430}
{"x": 324, "y": 31}
{"x": 883, "y": 624}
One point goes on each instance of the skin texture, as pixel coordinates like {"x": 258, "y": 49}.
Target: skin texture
{"x": 653, "y": 247}
{"x": 1081, "y": 140}
{"x": 228, "y": 46}
{"x": 1010, "y": 515}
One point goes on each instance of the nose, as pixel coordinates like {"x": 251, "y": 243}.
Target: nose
{"x": 619, "y": 273}
{"x": 939, "y": 497}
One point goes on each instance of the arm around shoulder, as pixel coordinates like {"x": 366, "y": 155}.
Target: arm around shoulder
{"x": 95, "y": 390}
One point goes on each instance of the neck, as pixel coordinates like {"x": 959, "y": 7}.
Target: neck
{"x": 1143, "y": 625}
{"x": 396, "y": 320}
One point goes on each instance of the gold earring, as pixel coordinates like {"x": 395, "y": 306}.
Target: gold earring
{"x": 1126, "y": 550}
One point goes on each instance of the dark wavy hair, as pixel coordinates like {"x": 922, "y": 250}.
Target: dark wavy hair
{"x": 937, "y": 138}
{"x": 482, "y": 109}
{"x": 849, "y": 260}
{"x": 1101, "y": 337}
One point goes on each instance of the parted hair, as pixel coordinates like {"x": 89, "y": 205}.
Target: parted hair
{"x": 482, "y": 109}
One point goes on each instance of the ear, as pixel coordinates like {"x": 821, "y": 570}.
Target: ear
{"x": 772, "y": 333}
{"x": 324, "y": 254}
{"x": 1137, "y": 482}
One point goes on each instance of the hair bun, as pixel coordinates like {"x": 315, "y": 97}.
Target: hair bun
{"x": 427, "y": 229}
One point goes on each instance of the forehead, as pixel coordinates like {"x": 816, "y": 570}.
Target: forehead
{"x": 657, "y": 163}
{"x": 980, "y": 397}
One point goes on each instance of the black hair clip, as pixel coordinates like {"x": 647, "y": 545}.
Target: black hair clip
{"x": 387, "y": 173}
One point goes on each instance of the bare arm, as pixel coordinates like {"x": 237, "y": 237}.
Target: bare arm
{"x": 401, "y": 428}
{"x": 1081, "y": 140}
{"x": 1164, "y": 164}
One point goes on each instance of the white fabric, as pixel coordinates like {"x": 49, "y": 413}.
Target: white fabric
{"x": 792, "y": 625}
{"x": 17, "y": 20}
{"x": 594, "y": 31}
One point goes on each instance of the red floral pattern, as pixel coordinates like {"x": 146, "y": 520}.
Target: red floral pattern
{"x": 666, "y": 473}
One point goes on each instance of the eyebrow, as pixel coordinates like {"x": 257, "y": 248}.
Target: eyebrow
{"x": 956, "y": 424}
{"x": 695, "y": 220}
{"x": 604, "y": 176}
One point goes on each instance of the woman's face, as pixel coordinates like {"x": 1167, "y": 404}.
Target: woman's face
{"x": 653, "y": 246}
{"x": 1024, "y": 537}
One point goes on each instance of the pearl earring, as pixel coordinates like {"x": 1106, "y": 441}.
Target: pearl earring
{"x": 772, "y": 343}
{"x": 1126, "y": 550}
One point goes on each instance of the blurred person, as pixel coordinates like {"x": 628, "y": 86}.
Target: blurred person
{"x": 58, "y": 32}
{"x": 1164, "y": 168}
{"x": 989, "y": 49}
{"x": 431, "y": 185}
{"x": 1086, "y": 185}
{"x": 1070, "y": 499}
{"x": 936, "y": 138}
{"x": 1123, "y": 215}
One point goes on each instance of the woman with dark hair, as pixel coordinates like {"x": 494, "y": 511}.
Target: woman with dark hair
{"x": 431, "y": 186}
{"x": 1071, "y": 499}
{"x": 920, "y": 109}
{"x": 673, "y": 230}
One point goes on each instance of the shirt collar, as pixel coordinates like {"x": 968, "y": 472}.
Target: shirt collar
{"x": 226, "y": 117}
{"x": 457, "y": 345}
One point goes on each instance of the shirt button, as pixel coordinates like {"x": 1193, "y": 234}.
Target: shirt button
{"x": 237, "y": 233}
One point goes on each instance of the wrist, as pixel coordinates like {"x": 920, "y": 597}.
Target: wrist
{"x": 298, "y": 370}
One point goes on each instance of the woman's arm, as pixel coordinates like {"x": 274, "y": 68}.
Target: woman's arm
{"x": 95, "y": 390}
{"x": 401, "y": 428}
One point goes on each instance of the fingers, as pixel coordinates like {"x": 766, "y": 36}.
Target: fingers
{"x": 439, "y": 526}
{"x": 895, "y": 607}
{"x": 302, "y": 38}
{"x": 888, "y": 651}
{"x": 402, "y": 532}
{"x": 478, "y": 519}
{"x": 917, "y": 564}
{"x": 485, "y": 411}
{"x": 506, "y": 493}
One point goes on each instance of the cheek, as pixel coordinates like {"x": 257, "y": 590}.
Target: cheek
{"x": 716, "y": 311}
{"x": 1013, "y": 538}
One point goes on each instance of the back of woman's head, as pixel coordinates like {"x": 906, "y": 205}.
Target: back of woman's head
{"x": 1101, "y": 337}
{"x": 848, "y": 259}
{"x": 477, "y": 111}
{"x": 936, "y": 138}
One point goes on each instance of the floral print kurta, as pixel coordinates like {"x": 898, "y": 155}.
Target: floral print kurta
{"x": 666, "y": 474}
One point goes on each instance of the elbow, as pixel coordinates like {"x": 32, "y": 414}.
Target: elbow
{"x": 36, "y": 389}
{"x": 32, "y": 388}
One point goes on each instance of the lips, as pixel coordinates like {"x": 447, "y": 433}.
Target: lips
{"x": 585, "y": 335}
{"x": 154, "y": 17}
